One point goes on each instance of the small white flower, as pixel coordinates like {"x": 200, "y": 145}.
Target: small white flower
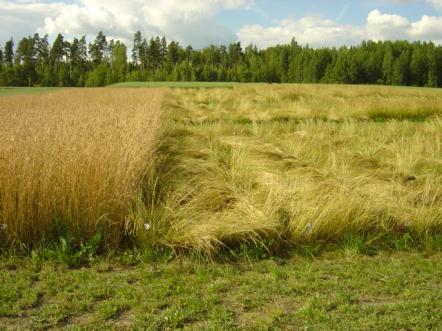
{"x": 407, "y": 225}
{"x": 308, "y": 229}
{"x": 146, "y": 226}
{"x": 3, "y": 227}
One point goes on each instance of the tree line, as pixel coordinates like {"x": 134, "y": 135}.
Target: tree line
{"x": 35, "y": 62}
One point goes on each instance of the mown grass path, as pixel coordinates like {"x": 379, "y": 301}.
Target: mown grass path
{"x": 337, "y": 291}
{"x": 4, "y": 91}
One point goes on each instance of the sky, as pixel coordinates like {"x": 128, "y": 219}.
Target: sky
{"x": 264, "y": 23}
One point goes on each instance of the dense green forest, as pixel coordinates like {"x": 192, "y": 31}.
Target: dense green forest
{"x": 35, "y": 62}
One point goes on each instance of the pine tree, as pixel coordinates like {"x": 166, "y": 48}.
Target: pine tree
{"x": 144, "y": 49}
{"x": 136, "y": 50}
{"x": 172, "y": 56}
{"x": 387, "y": 65}
{"x": 42, "y": 65}
{"x": 153, "y": 54}
{"x": 418, "y": 66}
{"x": 401, "y": 68}
{"x": 98, "y": 49}
{"x": 8, "y": 56}
{"x": 189, "y": 54}
{"x": 25, "y": 62}
{"x": 163, "y": 50}
{"x": 58, "y": 52}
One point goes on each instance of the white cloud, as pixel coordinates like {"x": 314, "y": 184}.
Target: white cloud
{"x": 19, "y": 19}
{"x": 428, "y": 28}
{"x": 195, "y": 21}
{"x": 436, "y": 3}
{"x": 183, "y": 20}
{"x": 318, "y": 31}
{"x": 314, "y": 30}
{"x": 386, "y": 26}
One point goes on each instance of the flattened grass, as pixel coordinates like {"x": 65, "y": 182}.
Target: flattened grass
{"x": 298, "y": 164}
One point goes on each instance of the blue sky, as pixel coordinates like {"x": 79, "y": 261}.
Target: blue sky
{"x": 203, "y": 22}
{"x": 352, "y": 12}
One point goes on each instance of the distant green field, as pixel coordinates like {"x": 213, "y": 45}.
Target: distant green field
{"x": 25, "y": 90}
{"x": 4, "y": 91}
{"x": 177, "y": 84}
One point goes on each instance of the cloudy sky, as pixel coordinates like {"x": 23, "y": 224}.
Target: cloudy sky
{"x": 204, "y": 22}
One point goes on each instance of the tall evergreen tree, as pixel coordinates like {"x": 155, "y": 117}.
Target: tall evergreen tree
{"x": 76, "y": 64}
{"x": 418, "y": 66}
{"x": 163, "y": 50}
{"x": 137, "y": 48}
{"x": 25, "y": 62}
{"x": 98, "y": 49}
{"x": 9, "y": 52}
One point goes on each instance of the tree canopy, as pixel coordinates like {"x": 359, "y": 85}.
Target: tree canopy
{"x": 34, "y": 62}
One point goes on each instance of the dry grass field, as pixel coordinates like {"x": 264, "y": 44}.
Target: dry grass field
{"x": 327, "y": 199}
{"x": 207, "y": 169}
{"x": 75, "y": 163}
{"x": 300, "y": 164}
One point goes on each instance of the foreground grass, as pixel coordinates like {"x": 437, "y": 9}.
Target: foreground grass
{"x": 338, "y": 290}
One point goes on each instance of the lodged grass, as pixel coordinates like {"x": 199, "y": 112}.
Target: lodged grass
{"x": 75, "y": 163}
{"x": 300, "y": 164}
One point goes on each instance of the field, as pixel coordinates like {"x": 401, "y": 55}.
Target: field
{"x": 75, "y": 164}
{"x": 216, "y": 168}
{"x": 347, "y": 290}
{"x": 198, "y": 85}
{"x": 25, "y": 90}
{"x": 301, "y": 164}
{"x": 304, "y": 206}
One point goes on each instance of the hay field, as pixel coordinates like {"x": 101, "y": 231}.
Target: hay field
{"x": 204, "y": 169}
{"x": 301, "y": 164}
{"x": 75, "y": 163}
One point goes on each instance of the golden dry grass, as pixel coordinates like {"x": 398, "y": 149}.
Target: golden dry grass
{"x": 76, "y": 163}
{"x": 302, "y": 163}
{"x": 268, "y": 164}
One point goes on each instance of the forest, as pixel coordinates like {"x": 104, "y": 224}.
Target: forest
{"x": 34, "y": 61}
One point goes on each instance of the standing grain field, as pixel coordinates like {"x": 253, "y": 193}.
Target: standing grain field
{"x": 75, "y": 163}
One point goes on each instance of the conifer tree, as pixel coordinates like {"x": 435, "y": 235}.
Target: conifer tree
{"x": 8, "y": 56}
